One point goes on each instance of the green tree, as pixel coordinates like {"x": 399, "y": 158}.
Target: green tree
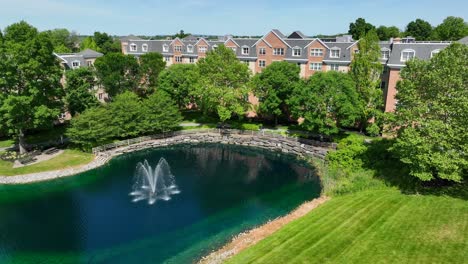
{"x": 151, "y": 65}
{"x": 91, "y": 128}
{"x": 432, "y": 115}
{"x": 128, "y": 115}
{"x": 89, "y": 43}
{"x": 180, "y": 81}
{"x": 223, "y": 88}
{"x": 274, "y": 85}
{"x": 181, "y": 34}
{"x": 79, "y": 90}
{"x": 160, "y": 113}
{"x": 106, "y": 43}
{"x": 452, "y": 28}
{"x": 366, "y": 70}
{"x": 385, "y": 33}
{"x": 29, "y": 81}
{"x": 419, "y": 29}
{"x": 326, "y": 102}
{"x": 62, "y": 40}
{"x": 117, "y": 73}
{"x": 360, "y": 28}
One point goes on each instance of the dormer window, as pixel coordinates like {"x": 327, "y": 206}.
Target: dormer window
{"x": 165, "y": 48}
{"x": 297, "y": 51}
{"x": 144, "y": 47}
{"x": 385, "y": 54}
{"x": 76, "y": 64}
{"x": 190, "y": 48}
{"x": 335, "y": 53}
{"x": 178, "y": 48}
{"x": 133, "y": 47}
{"x": 245, "y": 50}
{"x": 435, "y": 52}
{"x": 407, "y": 54}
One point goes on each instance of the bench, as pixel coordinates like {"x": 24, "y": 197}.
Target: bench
{"x": 27, "y": 160}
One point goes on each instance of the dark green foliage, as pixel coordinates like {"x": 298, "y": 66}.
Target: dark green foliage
{"x": 180, "y": 81}
{"x": 181, "y": 34}
{"x": 30, "y": 75}
{"x": 431, "y": 116}
{"x": 360, "y": 28}
{"x": 452, "y": 28}
{"x": 385, "y": 33}
{"x": 326, "y": 101}
{"x": 62, "y": 40}
{"x": 106, "y": 43}
{"x": 419, "y": 29}
{"x": 117, "y": 73}
{"x": 79, "y": 90}
{"x": 151, "y": 65}
{"x": 274, "y": 85}
{"x": 161, "y": 114}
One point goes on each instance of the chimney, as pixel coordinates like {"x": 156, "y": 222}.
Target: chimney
{"x": 397, "y": 40}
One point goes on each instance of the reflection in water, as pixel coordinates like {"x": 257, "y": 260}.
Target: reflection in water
{"x": 226, "y": 189}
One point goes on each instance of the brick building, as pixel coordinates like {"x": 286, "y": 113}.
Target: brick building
{"x": 311, "y": 54}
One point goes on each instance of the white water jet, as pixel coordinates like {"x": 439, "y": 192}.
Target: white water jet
{"x": 152, "y": 185}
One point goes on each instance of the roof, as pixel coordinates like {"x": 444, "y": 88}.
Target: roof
{"x": 422, "y": 51}
{"x": 464, "y": 40}
{"x": 297, "y": 35}
{"x": 345, "y": 53}
{"x": 89, "y": 54}
{"x": 130, "y": 37}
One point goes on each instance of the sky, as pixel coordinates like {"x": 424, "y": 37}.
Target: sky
{"x": 217, "y": 17}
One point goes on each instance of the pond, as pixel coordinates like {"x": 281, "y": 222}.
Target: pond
{"x": 91, "y": 218}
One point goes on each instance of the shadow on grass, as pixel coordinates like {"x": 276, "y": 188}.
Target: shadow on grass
{"x": 393, "y": 172}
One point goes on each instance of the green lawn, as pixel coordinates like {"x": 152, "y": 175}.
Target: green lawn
{"x": 371, "y": 227}
{"x": 69, "y": 158}
{"x": 5, "y": 143}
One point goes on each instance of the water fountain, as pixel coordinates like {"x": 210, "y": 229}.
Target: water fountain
{"x": 152, "y": 185}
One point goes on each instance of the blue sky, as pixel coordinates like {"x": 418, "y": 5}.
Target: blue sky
{"x": 241, "y": 17}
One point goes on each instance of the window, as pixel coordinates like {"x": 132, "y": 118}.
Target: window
{"x": 315, "y": 66}
{"x": 178, "y": 59}
{"x": 262, "y": 63}
{"x": 167, "y": 59}
{"x": 100, "y": 96}
{"x": 334, "y": 67}
{"x": 296, "y": 52}
{"x": 133, "y": 47}
{"x": 383, "y": 84}
{"x": 261, "y": 51}
{"x": 245, "y": 50}
{"x": 192, "y": 60}
{"x": 434, "y": 52}
{"x": 278, "y": 51}
{"x": 178, "y": 48}
{"x": 202, "y": 49}
{"x": 385, "y": 54}
{"x": 89, "y": 63}
{"x": 407, "y": 55}
{"x": 144, "y": 47}
{"x": 165, "y": 48}
{"x": 190, "y": 48}
{"x": 335, "y": 53}
{"x": 316, "y": 52}
{"x": 63, "y": 115}
{"x": 76, "y": 64}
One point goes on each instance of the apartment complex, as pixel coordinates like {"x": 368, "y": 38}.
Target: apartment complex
{"x": 311, "y": 54}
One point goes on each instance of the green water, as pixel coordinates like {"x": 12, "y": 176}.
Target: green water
{"x": 90, "y": 218}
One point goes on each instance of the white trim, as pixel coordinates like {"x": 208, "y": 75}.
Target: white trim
{"x": 264, "y": 40}
{"x": 407, "y": 50}
{"x": 296, "y": 48}
{"x": 60, "y": 57}
{"x": 396, "y": 65}
{"x": 352, "y": 44}
{"x": 133, "y": 45}
{"x": 76, "y": 67}
{"x": 248, "y": 50}
{"x": 278, "y": 37}
{"x": 304, "y": 60}
{"x": 436, "y": 51}
{"x": 207, "y": 43}
{"x": 339, "y": 52}
{"x": 178, "y": 40}
{"x": 316, "y": 56}
{"x": 319, "y": 40}
{"x": 190, "y": 48}
{"x": 239, "y": 57}
{"x": 144, "y": 47}
{"x": 336, "y": 61}
{"x": 165, "y": 47}
{"x": 232, "y": 41}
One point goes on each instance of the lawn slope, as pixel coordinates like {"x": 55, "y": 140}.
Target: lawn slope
{"x": 371, "y": 227}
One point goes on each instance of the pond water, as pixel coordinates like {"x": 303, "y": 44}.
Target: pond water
{"x": 91, "y": 218}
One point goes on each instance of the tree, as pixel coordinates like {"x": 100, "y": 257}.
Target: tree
{"x": 365, "y": 70}
{"x": 223, "y": 86}
{"x": 89, "y": 43}
{"x": 161, "y": 114}
{"x": 181, "y": 35}
{"x": 452, "y": 28}
{"x": 117, "y": 73}
{"x": 360, "y": 28}
{"x": 151, "y": 65}
{"x": 419, "y": 29}
{"x": 273, "y": 86}
{"x": 79, "y": 89}
{"x": 180, "y": 81}
{"x": 431, "y": 116}
{"x": 62, "y": 40}
{"x": 128, "y": 115}
{"x": 326, "y": 102}
{"x": 106, "y": 43}
{"x": 385, "y": 33}
{"x": 30, "y": 81}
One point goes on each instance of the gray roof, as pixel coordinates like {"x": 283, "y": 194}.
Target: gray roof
{"x": 277, "y": 32}
{"x": 345, "y": 53}
{"x": 297, "y": 35}
{"x": 90, "y": 54}
{"x": 68, "y": 58}
{"x": 422, "y": 51}
{"x": 464, "y": 40}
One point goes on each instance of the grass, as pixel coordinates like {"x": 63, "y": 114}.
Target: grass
{"x": 5, "y": 143}
{"x": 69, "y": 158}
{"x": 371, "y": 227}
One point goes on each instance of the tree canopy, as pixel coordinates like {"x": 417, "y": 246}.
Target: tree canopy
{"x": 359, "y": 28}
{"x": 419, "y": 29}
{"x": 180, "y": 81}
{"x": 79, "y": 90}
{"x": 151, "y": 65}
{"x": 385, "y": 33}
{"x": 30, "y": 81}
{"x": 452, "y": 28}
{"x": 432, "y": 114}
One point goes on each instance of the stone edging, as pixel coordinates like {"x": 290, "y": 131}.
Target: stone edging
{"x": 284, "y": 145}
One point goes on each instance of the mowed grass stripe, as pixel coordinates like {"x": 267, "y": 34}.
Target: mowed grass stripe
{"x": 377, "y": 227}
